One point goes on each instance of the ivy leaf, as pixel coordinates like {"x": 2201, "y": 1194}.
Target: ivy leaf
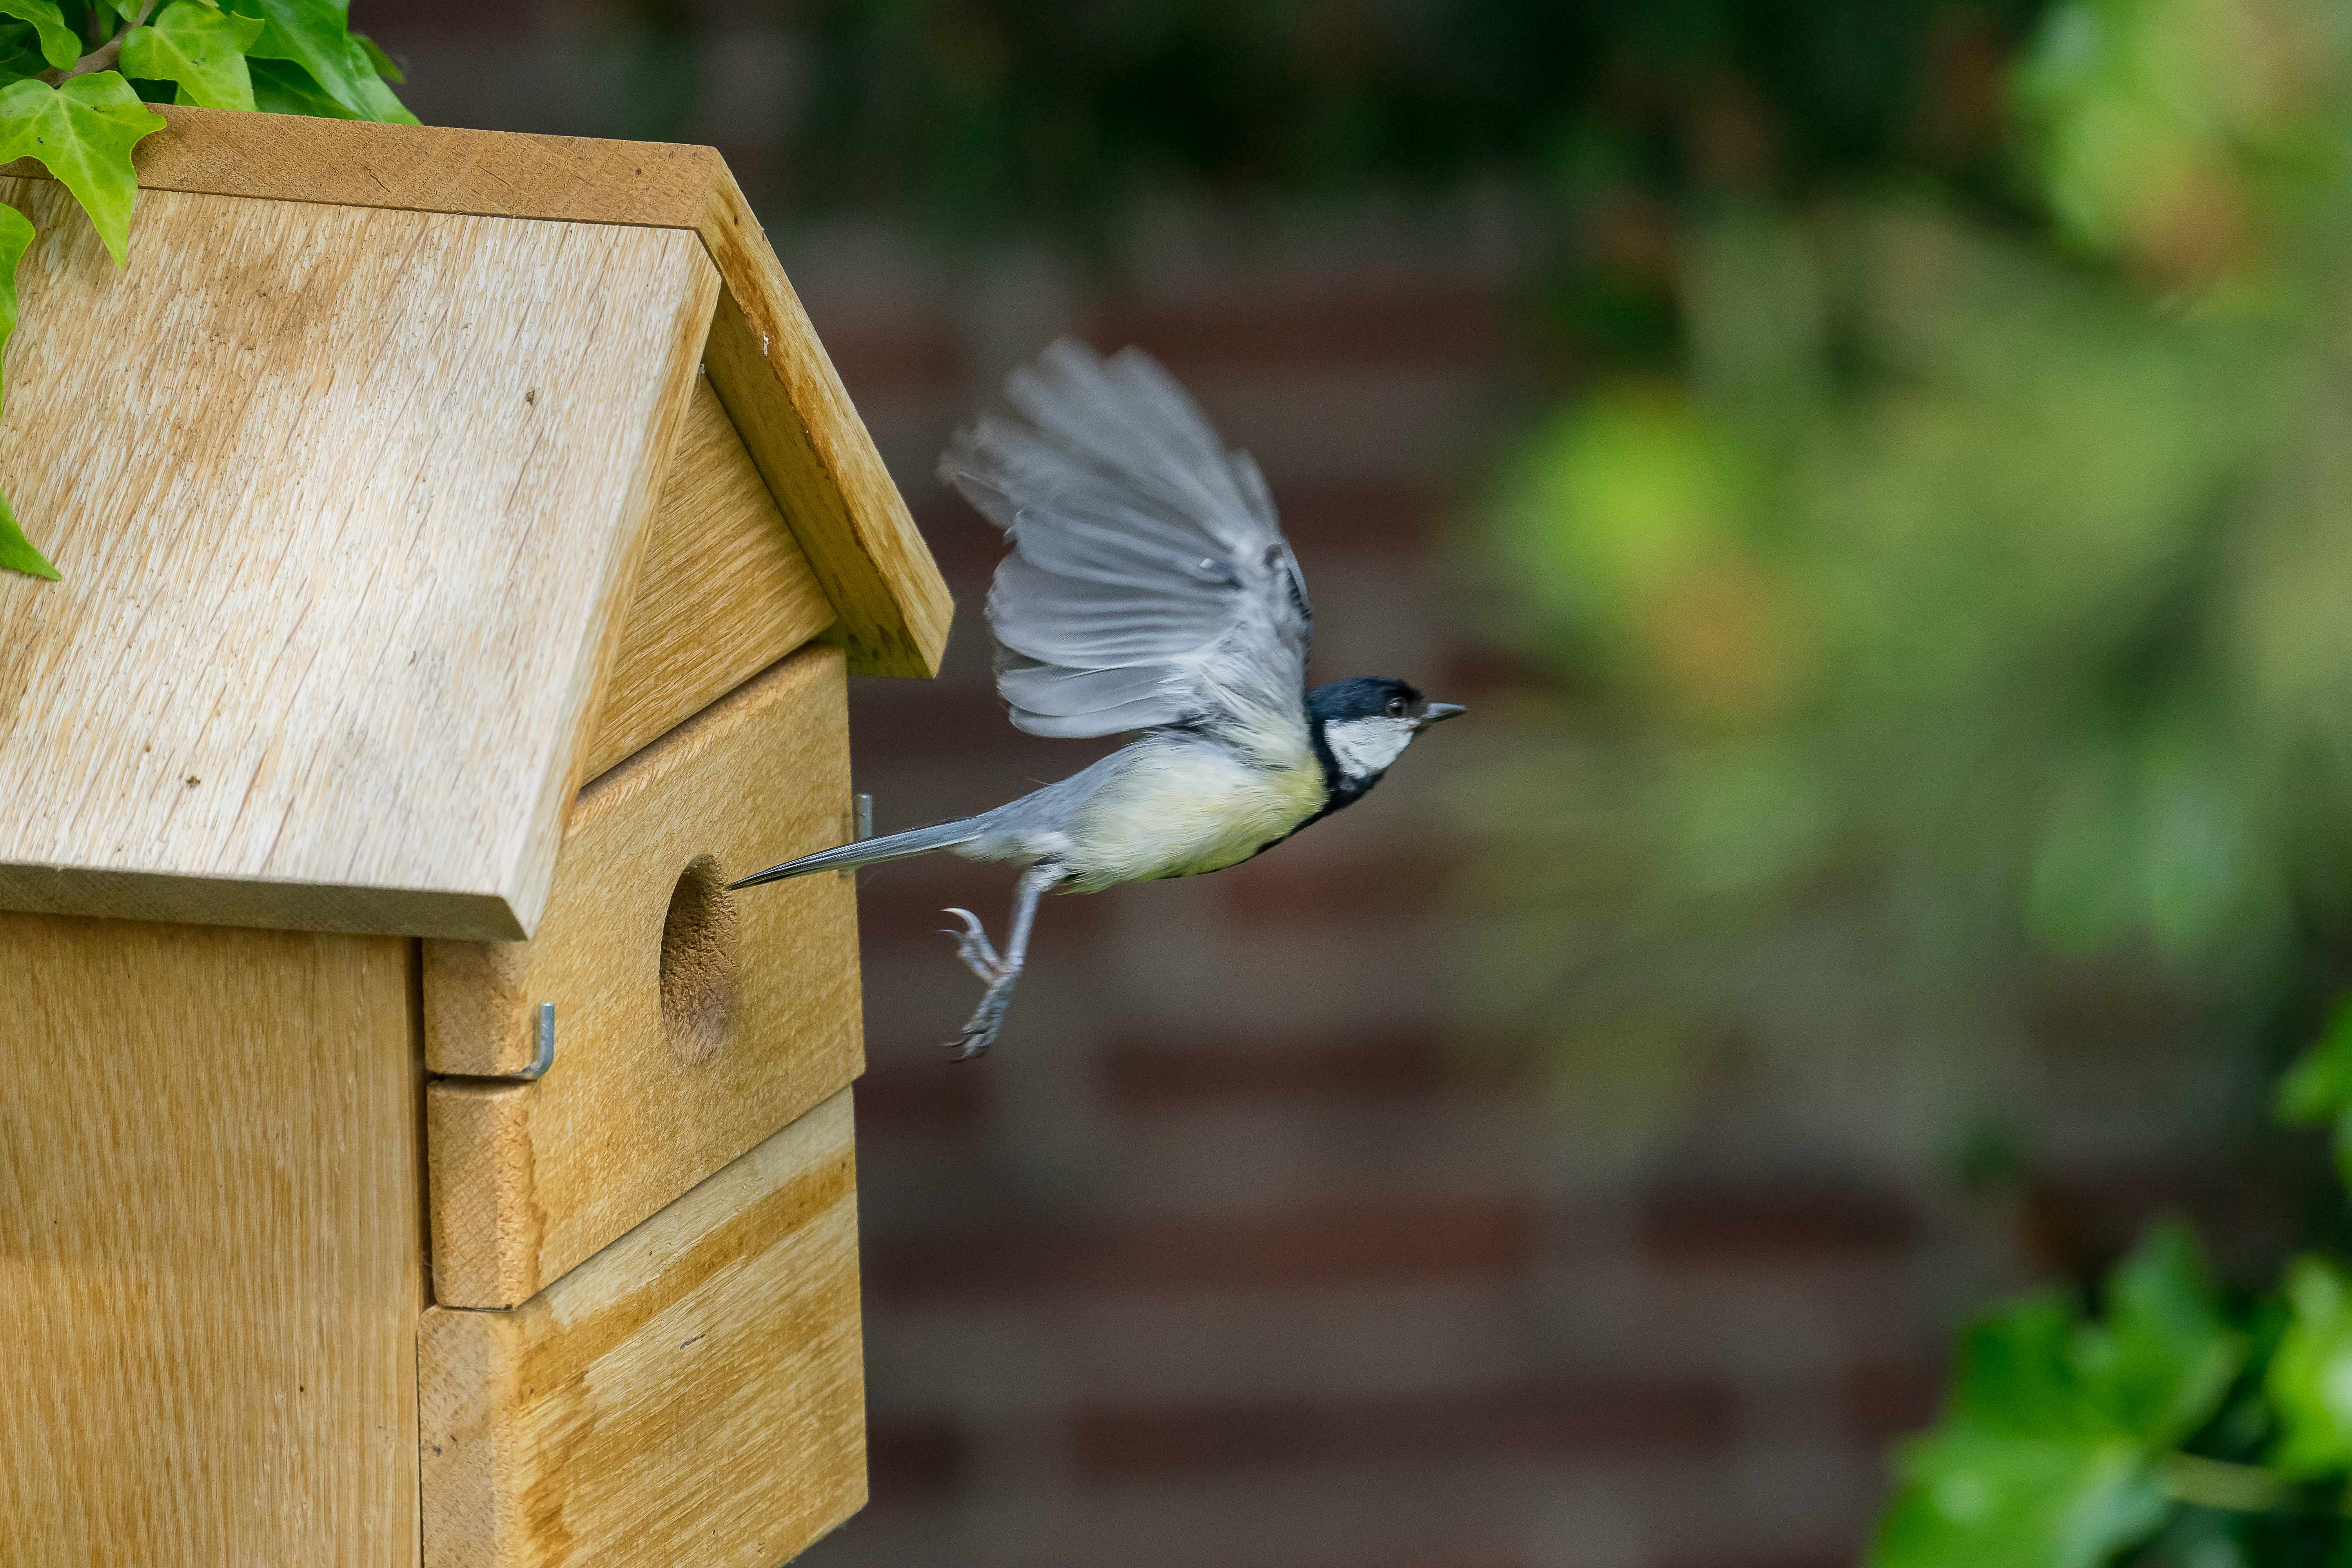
{"x": 2310, "y": 1377}
{"x": 59, "y": 45}
{"x": 200, "y": 48}
{"x": 2319, "y": 1087}
{"x": 2047, "y": 1450}
{"x": 281, "y": 86}
{"x": 2166, "y": 1356}
{"x": 16, "y": 552}
{"x": 1972, "y": 1499}
{"x": 377, "y": 60}
{"x": 314, "y": 35}
{"x": 83, "y": 134}
{"x": 20, "y": 52}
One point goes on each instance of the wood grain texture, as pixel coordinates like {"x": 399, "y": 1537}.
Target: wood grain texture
{"x": 341, "y": 549}
{"x": 529, "y": 1179}
{"x": 723, "y": 594}
{"x": 780, "y": 388}
{"x": 783, "y": 390}
{"x": 210, "y": 1245}
{"x": 694, "y": 1394}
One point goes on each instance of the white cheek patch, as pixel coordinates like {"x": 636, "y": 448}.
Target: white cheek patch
{"x": 1367, "y": 746}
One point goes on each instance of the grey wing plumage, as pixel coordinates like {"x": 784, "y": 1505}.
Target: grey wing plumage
{"x": 1149, "y": 582}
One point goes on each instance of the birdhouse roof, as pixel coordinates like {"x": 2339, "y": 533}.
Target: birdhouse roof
{"x": 348, "y": 475}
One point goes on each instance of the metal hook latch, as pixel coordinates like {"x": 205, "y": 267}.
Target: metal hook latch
{"x": 539, "y": 1064}
{"x": 865, "y": 818}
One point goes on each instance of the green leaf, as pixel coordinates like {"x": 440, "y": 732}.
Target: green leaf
{"x": 378, "y": 59}
{"x": 200, "y": 48}
{"x": 314, "y": 35}
{"x": 1973, "y": 1500}
{"x": 20, "y": 52}
{"x": 2319, "y": 1087}
{"x": 83, "y": 134}
{"x": 281, "y": 86}
{"x": 2310, "y": 1376}
{"x": 2165, "y": 1357}
{"x": 16, "y": 552}
{"x": 59, "y": 45}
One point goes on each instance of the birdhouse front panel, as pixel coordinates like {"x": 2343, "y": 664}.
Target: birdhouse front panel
{"x": 466, "y": 594}
{"x": 688, "y": 1022}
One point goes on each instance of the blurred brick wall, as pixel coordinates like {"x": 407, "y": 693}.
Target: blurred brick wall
{"x": 1226, "y": 1258}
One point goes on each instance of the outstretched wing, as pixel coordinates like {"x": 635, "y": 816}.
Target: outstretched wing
{"x": 1148, "y": 583}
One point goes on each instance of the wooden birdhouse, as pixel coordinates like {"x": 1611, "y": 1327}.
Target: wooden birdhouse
{"x": 409, "y": 1149}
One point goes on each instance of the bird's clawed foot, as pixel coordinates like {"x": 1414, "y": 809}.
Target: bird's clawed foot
{"x": 979, "y": 955}
{"x": 980, "y": 1029}
{"x": 974, "y": 947}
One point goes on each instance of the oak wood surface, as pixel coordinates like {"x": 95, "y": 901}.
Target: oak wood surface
{"x": 210, "y": 1247}
{"x": 817, "y": 456}
{"x": 723, "y": 594}
{"x": 527, "y": 1180}
{"x": 694, "y": 1394}
{"x": 347, "y": 501}
{"x": 779, "y": 383}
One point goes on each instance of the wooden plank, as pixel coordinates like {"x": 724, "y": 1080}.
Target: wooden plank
{"x": 346, "y": 501}
{"x": 210, "y": 1245}
{"x": 724, "y": 592}
{"x": 649, "y": 1093}
{"x": 780, "y": 389}
{"x": 694, "y": 1392}
{"x": 777, "y": 380}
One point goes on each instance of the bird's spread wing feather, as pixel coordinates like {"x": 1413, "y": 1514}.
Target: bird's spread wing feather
{"x": 1149, "y": 582}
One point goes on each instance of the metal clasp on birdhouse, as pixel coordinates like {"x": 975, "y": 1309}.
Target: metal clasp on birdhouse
{"x": 865, "y": 818}
{"x": 540, "y": 1063}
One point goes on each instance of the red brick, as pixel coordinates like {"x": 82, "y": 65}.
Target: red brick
{"x": 1768, "y": 1222}
{"x": 1888, "y": 1402}
{"x": 1304, "y": 335}
{"x": 1408, "y": 1063}
{"x": 1389, "y": 519}
{"x": 877, "y": 359}
{"x": 1301, "y": 1249}
{"x": 924, "y": 1097}
{"x": 1679, "y": 1415}
{"x": 1283, "y": 891}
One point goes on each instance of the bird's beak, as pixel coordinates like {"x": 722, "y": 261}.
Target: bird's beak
{"x": 1438, "y": 712}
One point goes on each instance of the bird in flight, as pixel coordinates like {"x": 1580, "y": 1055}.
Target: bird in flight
{"x": 1149, "y": 589}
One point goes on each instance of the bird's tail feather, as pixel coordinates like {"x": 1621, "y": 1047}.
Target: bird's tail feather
{"x": 867, "y": 851}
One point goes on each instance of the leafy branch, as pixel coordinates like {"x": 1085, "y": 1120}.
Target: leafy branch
{"x": 80, "y": 110}
{"x": 2173, "y": 1419}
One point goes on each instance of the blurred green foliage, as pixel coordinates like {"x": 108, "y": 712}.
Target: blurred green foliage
{"x": 1970, "y": 604}
{"x": 2178, "y": 1429}
{"x": 993, "y": 114}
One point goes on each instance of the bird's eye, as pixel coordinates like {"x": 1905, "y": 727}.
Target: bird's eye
{"x": 1396, "y": 707}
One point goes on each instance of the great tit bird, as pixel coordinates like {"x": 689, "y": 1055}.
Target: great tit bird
{"x": 1149, "y": 589}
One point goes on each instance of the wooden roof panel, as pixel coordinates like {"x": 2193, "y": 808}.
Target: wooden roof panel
{"x": 346, "y": 500}
{"x": 771, "y": 370}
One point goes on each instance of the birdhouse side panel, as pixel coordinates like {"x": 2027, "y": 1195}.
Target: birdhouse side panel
{"x": 210, "y": 1245}
{"x": 346, "y": 501}
{"x": 723, "y": 594}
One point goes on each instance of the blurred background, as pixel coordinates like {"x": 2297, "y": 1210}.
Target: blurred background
{"x": 1872, "y": 466}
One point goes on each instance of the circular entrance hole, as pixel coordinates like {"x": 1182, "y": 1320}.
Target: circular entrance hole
{"x": 698, "y": 961}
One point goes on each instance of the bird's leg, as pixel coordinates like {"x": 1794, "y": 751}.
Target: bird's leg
{"x": 974, "y": 947}
{"x": 980, "y": 1029}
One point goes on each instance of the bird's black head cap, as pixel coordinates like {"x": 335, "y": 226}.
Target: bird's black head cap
{"x": 1361, "y": 726}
